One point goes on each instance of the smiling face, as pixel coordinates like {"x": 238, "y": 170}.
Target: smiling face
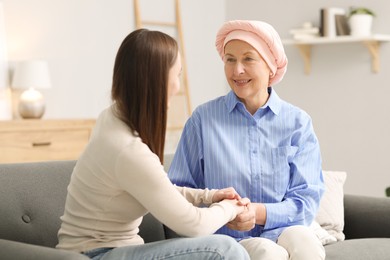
{"x": 247, "y": 74}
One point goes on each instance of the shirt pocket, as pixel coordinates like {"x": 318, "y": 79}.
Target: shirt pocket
{"x": 282, "y": 158}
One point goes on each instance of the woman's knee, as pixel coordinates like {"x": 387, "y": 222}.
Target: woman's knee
{"x": 297, "y": 233}
{"x": 301, "y": 243}
{"x": 228, "y": 246}
{"x": 215, "y": 247}
{"x": 263, "y": 248}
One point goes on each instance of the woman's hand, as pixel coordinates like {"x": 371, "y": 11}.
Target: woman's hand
{"x": 240, "y": 205}
{"x": 230, "y": 195}
{"x": 244, "y": 221}
{"x": 227, "y": 193}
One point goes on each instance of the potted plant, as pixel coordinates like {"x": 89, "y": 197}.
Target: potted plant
{"x": 360, "y": 21}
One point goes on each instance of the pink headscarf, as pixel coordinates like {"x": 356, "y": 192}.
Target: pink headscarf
{"x": 261, "y": 36}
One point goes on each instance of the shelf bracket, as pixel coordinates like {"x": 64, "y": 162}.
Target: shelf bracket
{"x": 305, "y": 50}
{"x": 373, "y": 47}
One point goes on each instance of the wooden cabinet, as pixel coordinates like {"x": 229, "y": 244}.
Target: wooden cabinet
{"x": 43, "y": 140}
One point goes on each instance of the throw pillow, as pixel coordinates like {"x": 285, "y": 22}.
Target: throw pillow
{"x": 330, "y": 215}
{"x": 322, "y": 234}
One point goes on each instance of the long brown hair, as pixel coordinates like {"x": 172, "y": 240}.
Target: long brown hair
{"x": 139, "y": 86}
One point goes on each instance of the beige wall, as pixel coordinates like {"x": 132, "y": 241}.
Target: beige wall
{"x": 348, "y": 103}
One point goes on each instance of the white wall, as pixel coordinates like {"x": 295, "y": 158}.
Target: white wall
{"x": 348, "y": 103}
{"x": 80, "y": 40}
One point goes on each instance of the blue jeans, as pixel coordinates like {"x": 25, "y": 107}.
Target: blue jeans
{"x": 213, "y": 247}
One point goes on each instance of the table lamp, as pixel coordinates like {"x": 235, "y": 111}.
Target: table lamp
{"x": 31, "y": 75}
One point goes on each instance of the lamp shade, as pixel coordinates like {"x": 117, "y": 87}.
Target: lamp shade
{"x": 31, "y": 74}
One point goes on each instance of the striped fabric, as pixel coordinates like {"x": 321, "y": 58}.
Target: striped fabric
{"x": 272, "y": 157}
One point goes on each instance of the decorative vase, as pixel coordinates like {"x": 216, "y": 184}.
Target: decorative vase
{"x": 360, "y": 24}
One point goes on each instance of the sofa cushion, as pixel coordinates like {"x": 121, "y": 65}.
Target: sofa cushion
{"x": 330, "y": 215}
{"x": 359, "y": 249}
{"x": 322, "y": 234}
{"x": 366, "y": 217}
{"x": 32, "y": 200}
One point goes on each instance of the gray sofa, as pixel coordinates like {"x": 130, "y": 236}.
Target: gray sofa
{"x": 32, "y": 197}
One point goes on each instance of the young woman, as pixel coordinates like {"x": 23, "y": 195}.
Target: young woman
{"x": 120, "y": 177}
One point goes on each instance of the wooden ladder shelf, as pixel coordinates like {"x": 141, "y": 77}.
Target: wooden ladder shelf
{"x": 174, "y": 123}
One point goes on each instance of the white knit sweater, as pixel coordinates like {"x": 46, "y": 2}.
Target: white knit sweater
{"x": 116, "y": 181}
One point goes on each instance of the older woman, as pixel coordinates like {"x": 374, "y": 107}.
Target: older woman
{"x": 261, "y": 145}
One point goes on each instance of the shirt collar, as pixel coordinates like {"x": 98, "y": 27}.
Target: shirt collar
{"x": 274, "y": 102}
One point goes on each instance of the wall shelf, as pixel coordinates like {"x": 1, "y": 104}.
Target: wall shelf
{"x": 372, "y": 43}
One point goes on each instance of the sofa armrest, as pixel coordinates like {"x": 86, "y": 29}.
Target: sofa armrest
{"x": 366, "y": 217}
{"x": 11, "y": 250}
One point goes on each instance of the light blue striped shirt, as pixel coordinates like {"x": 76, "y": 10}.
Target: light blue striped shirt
{"x": 272, "y": 157}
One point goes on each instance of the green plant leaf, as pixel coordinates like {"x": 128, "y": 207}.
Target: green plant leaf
{"x": 360, "y": 10}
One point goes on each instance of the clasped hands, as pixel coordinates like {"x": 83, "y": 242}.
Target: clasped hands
{"x": 245, "y": 220}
